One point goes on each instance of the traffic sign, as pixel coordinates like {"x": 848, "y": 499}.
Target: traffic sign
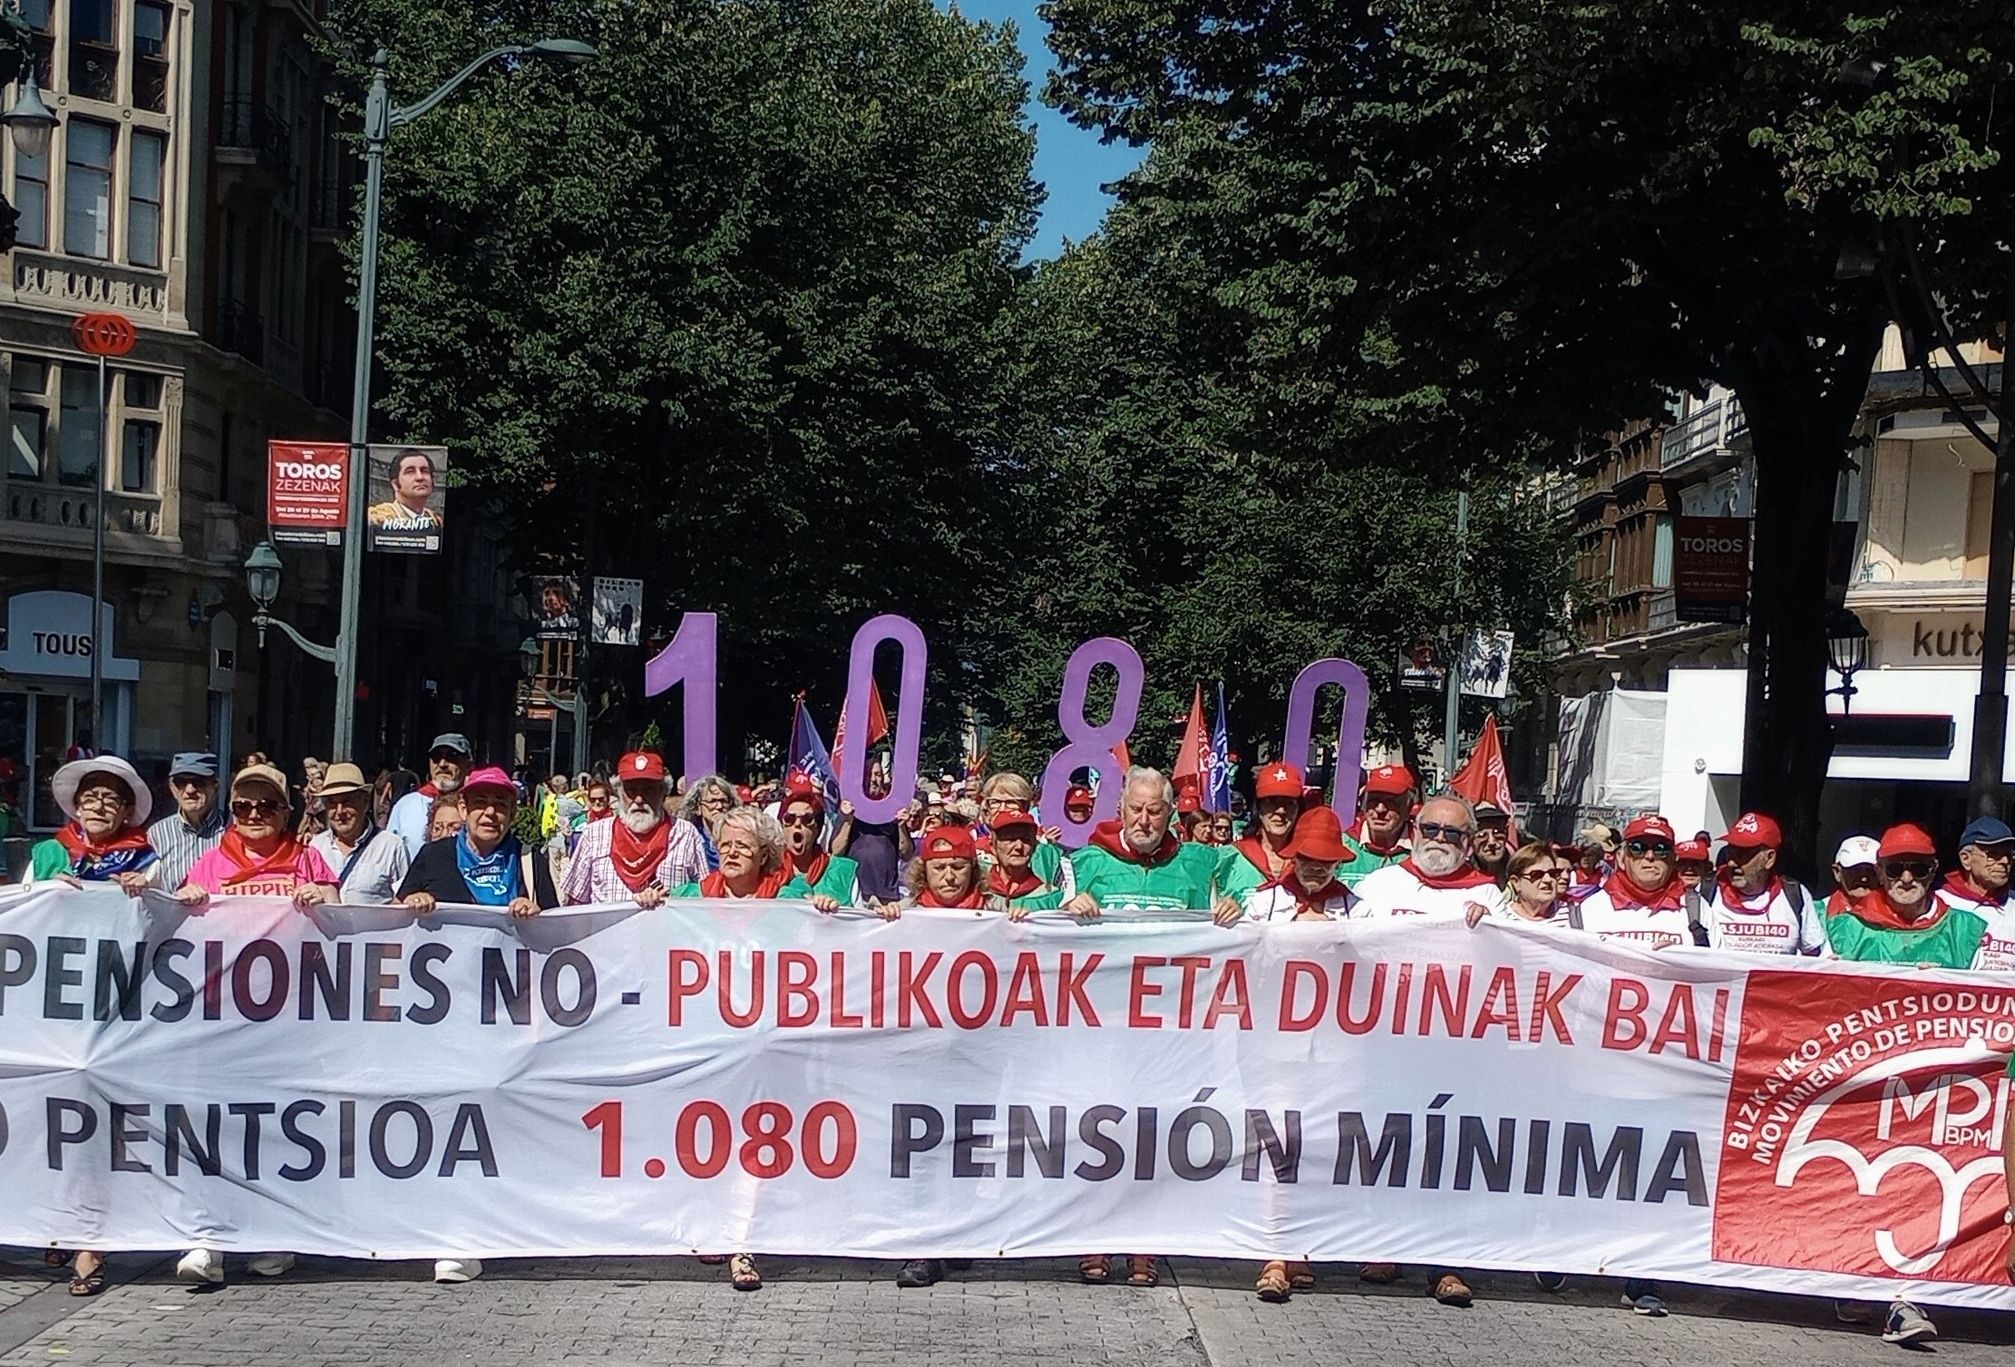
{"x": 104, "y": 334}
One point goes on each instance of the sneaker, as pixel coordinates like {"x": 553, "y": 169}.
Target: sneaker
{"x": 1643, "y": 1298}
{"x": 270, "y": 1264}
{"x": 457, "y": 1269}
{"x": 203, "y": 1265}
{"x": 1550, "y": 1281}
{"x": 920, "y": 1272}
{"x": 1907, "y": 1325}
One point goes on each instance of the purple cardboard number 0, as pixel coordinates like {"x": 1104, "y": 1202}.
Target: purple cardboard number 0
{"x": 1091, "y": 746}
{"x": 1294, "y": 745}
{"x": 908, "y": 725}
{"x": 691, "y": 658}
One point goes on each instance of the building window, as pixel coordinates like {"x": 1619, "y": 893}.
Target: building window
{"x": 1661, "y": 552}
{"x": 94, "y": 50}
{"x": 39, "y": 16}
{"x": 31, "y": 199}
{"x": 144, "y": 198}
{"x": 87, "y": 195}
{"x": 80, "y": 444}
{"x": 150, "y": 55}
{"x": 136, "y": 456}
{"x": 28, "y": 418}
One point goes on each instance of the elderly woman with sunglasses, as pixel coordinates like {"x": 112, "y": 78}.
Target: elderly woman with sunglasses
{"x": 260, "y": 856}
{"x": 1535, "y": 881}
{"x": 707, "y": 804}
{"x": 105, "y": 838}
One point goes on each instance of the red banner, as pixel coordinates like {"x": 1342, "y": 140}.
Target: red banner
{"x": 307, "y": 491}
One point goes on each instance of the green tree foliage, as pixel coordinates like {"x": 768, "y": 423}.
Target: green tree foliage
{"x": 719, "y": 308}
{"x": 1541, "y": 219}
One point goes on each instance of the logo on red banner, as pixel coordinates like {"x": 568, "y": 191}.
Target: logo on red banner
{"x": 1870, "y": 1144}
{"x": 307, "y": 490}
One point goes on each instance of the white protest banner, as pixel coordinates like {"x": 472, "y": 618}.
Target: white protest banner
{"x": 723, "y": 1076}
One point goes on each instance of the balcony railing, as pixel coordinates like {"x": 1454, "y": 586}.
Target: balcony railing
{"x": 329, "y": 207}
{"x": 1704, "y": 434}
{"x": 253, "y": 132}
{"x": 241, "y": 330}
{"x": 58, "y": 506}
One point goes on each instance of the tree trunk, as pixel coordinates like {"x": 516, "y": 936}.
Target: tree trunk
{"x": 1802, "y": 403}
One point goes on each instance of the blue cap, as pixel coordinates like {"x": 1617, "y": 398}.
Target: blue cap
{"x": 1986, "y": 830}
{"x": 200, "y": 763}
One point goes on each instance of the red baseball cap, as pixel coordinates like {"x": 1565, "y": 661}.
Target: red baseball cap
{"x": 1394, "y": 780}
{"x": 1279, "y": 780}
{"x": 1696, "y": 850}
{"x": 1319, "y": 835}
{"x": 641, "y": 766}
{"x": 1657, "y": 827}
{"x": 1011, "y": 819}
{"x": 1905, "y": 839}
{"x": 1754, "y": 831}
{"x": 949, "y": 842}
{"x": 1078, "y": 793}
{"x": 802, "y": 789}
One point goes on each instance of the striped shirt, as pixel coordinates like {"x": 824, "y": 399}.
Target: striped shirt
{"x": 180, "y": 845}
{"x": 591, "y": 873}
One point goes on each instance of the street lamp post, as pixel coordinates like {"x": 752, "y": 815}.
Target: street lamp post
{"x": 262, "y": 581}
{"x": 380, "y": 118}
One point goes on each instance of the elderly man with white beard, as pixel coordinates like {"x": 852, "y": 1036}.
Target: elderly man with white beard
{"x": 641, "y": 855}
{"x": 1438, "y": 876}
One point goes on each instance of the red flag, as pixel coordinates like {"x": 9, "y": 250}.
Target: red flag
{"x": 1195, "y": 747}
{"x": 878, "y": 722}
{"x": 1483, "y": 777}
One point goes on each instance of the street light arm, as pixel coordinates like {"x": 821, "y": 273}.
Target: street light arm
{"x": 420, "y": 108}
{"x": 326, "y": 654}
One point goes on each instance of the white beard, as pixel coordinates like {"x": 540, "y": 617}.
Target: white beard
{"x": 1437, "y": 860}
{"x": 640, "y": 822}
{"x": 1134, "y": 843}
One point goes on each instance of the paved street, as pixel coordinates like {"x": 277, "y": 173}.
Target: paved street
{"x": 849, "y": 1314}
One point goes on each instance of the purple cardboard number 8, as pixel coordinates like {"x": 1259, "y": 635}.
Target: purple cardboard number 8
{"x": 1089, "y": 746}
{"x": 1349, "y": 728}
{"x": 908, "y": 725}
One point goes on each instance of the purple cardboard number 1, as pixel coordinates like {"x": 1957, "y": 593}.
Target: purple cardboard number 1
{"x": 691, "y": 658}
{"x": 1294, "y": 746}
{"x": 1088, "y": 746}
{"x": 908, "y": 725}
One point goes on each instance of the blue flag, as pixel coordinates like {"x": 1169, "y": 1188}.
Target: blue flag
{"x": 1217, "y": 774}
{"x": 809, "y": 756}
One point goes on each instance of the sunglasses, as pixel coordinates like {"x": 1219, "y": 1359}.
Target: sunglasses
{"x": 1544, "y": 875}
{"x": 445, "y": 756}
{"x": 253, "y": 806}
{"x": 1920, "y": 869}
{"x": 1434, "y": 830}
{"x": 1654, "y": 849}
{"x": 800, "y": 819}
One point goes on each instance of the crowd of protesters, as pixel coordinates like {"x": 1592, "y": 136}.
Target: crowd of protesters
{"x": 472, "y": 834}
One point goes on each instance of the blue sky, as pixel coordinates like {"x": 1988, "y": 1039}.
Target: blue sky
{"x": 1070, "y": 162}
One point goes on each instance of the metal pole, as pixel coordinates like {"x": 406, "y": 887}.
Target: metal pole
{"x": 377, "y": 128}
{"x": 98, "y": 642}
{"x": 1990, "y": 707}
{"x": 1451, "y": 722}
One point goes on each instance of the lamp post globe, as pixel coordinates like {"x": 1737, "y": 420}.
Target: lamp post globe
{"x": 262, "y": 574}
{"x": 29, "y": 121}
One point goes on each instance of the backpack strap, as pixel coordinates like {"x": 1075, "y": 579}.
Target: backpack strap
{"x": 1693, "y": 917}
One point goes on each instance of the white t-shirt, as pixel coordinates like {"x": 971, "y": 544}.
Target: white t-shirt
{"x": 1997, "y": 945}
{"x": 379, "y": 870}
{"x": 1396, "y": 890}
{"x": 1764, "y": 922}
{"x": 1660, "y": 928}
{"x": 1278, "y": 904}
{"x": 1503, "y": 910}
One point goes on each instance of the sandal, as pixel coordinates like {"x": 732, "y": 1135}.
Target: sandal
{"x": 1095, "y": 1268}
{"x": 1301, "y": 1276}
{"x": 1450, "y": 1289}
{"x": 713, "y": 1259}
{"x": 1140, "y": 1270}
{"x": 88, "y": 1283}
{"x": 742, "y": 1274}
{"x": 1272, "y": 1284}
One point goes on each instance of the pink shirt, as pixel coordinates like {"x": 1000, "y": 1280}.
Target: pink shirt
{"x": 591, "y": 873}
{"x": 214, "y": 872}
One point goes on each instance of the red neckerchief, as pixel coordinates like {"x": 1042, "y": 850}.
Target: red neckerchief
{"x": 1877, "y": 910}
{"x": 636, "y": 857}
{"x": 285, "y": 858}
{"x": 715, "y": 884}
{"x": 1106, "y": 835}
{"x": 812, "y": 870}
{"x": 1254, "y": 848}
{"x": 972, "y": 901}
{"x": 1731, "y": 897}
{"x": 1305, "y": 900}
{"x": 606, "y": 814}
{"x": 1364, "y": 842}
{"x": 1625, "y": 895}
{"x": 1469, "y": 876}
{"x": 1959, "y": 885}
{"x": 1002, "y": 886}
{"x": 80, "y": 846}
{"x": 428, "y": 790}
